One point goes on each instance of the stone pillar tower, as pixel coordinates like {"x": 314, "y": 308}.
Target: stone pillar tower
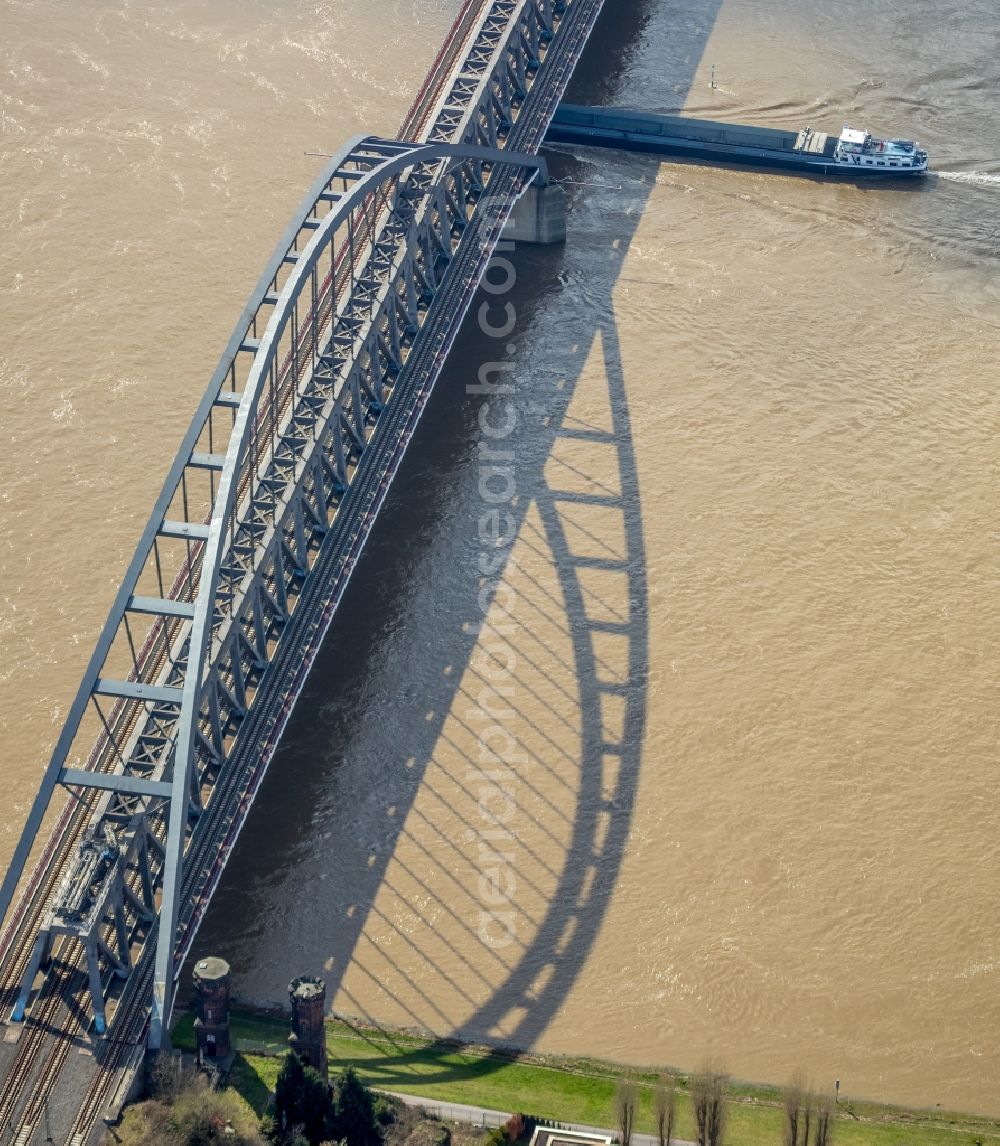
{"x": 308, "y": 1037}
{"x": 211, "y": 1027}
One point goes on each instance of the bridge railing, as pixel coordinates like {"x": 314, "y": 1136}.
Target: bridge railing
{"x": 144, "y": 635}
{"x": 344, "y": 307}
{"x": 271, "y": 456}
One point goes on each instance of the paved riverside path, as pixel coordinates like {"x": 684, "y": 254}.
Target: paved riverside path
{"x": 480, "y": 1116}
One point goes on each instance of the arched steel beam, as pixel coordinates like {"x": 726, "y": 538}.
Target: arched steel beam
{"x": 218, "y": 526}
{"x": 195, "y": 615}
{"x": 158, "y": 516}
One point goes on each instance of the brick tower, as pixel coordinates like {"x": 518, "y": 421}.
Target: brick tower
{"x": 211, "y": 1027}
{"x": 308, "y": 1037}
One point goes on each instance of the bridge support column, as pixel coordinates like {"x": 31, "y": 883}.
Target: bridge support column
{"x": 539, "y": 216}
{"x": 308, "y": 1037}
{"x": 211, "y": 1027}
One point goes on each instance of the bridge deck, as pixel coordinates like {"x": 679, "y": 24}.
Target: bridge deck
{"x": 496, "y": 83}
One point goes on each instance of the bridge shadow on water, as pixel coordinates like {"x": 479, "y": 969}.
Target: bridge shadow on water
{"x": 582, "y": 634}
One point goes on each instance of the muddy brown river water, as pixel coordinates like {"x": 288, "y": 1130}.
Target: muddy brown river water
{"x": 700, "y": 761}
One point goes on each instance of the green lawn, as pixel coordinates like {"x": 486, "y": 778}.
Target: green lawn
{"x": 566, "y": 1090}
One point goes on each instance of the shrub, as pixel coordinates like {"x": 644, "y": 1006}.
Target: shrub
{"x": 302, "y": 1101}
{"x": 514, "y": 1127}
{"x": 197, "y": 1116}
{"x": 427, "y": 1131}
{"x": 145, "y": 1124}
{"x": 386, "y": 1109}
{"x": 354, "y": 1118}
{"x": 201, "y": 1116}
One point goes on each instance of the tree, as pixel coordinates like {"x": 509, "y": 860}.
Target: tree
{"x": 708, "y": 1097}
{"x": 354, "y": 1118}
{"x": 302, "y": 1101}
{"x": 288, "y": 1091}
{"x": 807, "y": 1116}
{"x": 514, "y": 1127}
{"x": 665, "y": 1108}
{"x": 625, "y": 1103}
{"x": 795, "y": 1098}
{"x": 824, "y": 1120}
{"x": 168, "y": 1076}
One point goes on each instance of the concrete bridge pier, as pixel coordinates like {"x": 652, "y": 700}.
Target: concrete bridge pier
{"x": 539, "y": 216}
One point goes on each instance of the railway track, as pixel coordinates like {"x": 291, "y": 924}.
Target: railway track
{"x": 60, "y": 992}
{"x": 18, "y": 937}
{"x": 129, "y": 1023}
{"x": 119, "y": 1052}
{"x": 33, "y": 1041}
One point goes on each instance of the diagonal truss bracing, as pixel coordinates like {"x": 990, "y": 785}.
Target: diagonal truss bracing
{"x": 362, "y": 297}
{"x": 287, "y": 420}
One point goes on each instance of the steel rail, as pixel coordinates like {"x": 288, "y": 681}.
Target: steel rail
{"x": 366, "y": 494}
{"x": 76, "y": 812}
{"x": 225, "y": 501}
{"x": 172, "y": 483}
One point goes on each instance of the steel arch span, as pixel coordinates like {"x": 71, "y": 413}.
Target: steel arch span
{"x": 248, "y": 549}
{"x": 273, "y": 453}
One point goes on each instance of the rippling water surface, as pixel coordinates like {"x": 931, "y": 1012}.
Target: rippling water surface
{"x": 745, "y": 648}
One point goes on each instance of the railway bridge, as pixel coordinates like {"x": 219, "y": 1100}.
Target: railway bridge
{"x": 245, "y": 557}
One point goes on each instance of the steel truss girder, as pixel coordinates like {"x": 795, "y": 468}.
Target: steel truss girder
{"x": 505, "y": 47}
{"x": 186, "y": 713}
{"x": 123, "y": 904}
{"x": 216, "y": 621}
{"x": 339, "y": 428}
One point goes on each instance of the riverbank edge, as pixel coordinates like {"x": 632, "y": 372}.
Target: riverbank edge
{"x": 558, "y": 1087}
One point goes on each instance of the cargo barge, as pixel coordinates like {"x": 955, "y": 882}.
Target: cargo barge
{"x": 852, "y": 154}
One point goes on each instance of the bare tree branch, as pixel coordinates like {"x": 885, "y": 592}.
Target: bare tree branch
{"x": 795, "y": 1100}
{"x": 708, "y": 1094}
{"x": 625, "y": 1104}
{"x": 665, "y": 1108}
{"x": 824, "y": 1120}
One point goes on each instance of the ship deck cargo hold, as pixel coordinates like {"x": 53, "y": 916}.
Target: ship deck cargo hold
{"x": 852, "y": 154}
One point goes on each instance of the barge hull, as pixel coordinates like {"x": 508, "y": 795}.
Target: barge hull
{"x": 808, "y": 152}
